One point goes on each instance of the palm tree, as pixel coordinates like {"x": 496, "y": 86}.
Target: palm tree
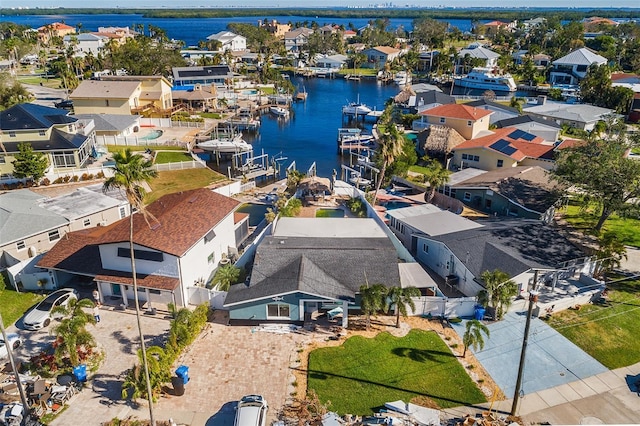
{"x": 372, "y": 300}
{"x": 435, "y": 177}
{"x": 473, "y": 336}
{"x": 389, "y": 146}
{"x": 399, "y": 298}
{"x": 71, "y": 333}
{"x": 225, "y": 276}
{"x": 501, "y": 290}
{"x": 131, "y": 170}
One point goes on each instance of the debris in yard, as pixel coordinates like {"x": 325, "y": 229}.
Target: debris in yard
{"x": 277, "y": 328}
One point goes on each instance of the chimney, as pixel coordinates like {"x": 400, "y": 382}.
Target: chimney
{"x": 542, "y": 99}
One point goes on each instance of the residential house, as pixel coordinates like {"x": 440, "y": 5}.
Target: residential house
{"x": 274, "y": 28}
{"x": 9, "y": 66}
{"x": 328, "y": 29}
{"x": 492, "y": 28}
{"x": 217, "y": 75}
{"x": 110, "y": 125}
{"x": 503, "y": 148}
{"x": 379, "y": 55}
{"x": 86, "y": 43}
{"x": 155, "y": 93}
{"x": 331, "y": 61}
{"x": 631, "y": 81}
{"x": 529, "y": 24}
{"x": 438, "y": 141}
{"x": 572, "y": 68}
{"x": 229, "y": 41}
{"x": 425, "y": 60}
{"x": 540, "y": 60}
{"x": 348, "y": 35}
{"x": 121, "y": 34}
{"x": 50, "y": 131}
{"x": 476, "y": 55}
{"x": 33, "y": 223}
{"x": 500, "y": 111}
{"x": 598, "y": 24}
{"x": 512, "y": 246}
{"x": 523, "y": 191}
{"x": 309, "y": 265}
{"x": 178, "y": 246}
{"x": 580, "y": 116}
{"x": 546, "y": 129}
{"x": 423, "y": 101}
{"x": 55, "y": 29}
{"x": 468, "y": 121}
{"x": 295, "y": 40}
{"x": 198, "y": 98}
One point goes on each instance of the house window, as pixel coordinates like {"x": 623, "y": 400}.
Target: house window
{"x": 3, "y": 160}
{"x": 123, "y": 212}
{"x": 469, "y": 123}
{"x": 476, "y": 158}
{"x": 500, "y": 162}
{"x": 153, "y": 256}
{"x": 210, "y": 236}
{"x": 467, "y": 196}
{"x": 487, "y": 203}
{"x": 12, "y": 134}
{"x": 425, "y": 248}
{"x": 442, "y": 120}
{"x": 277, "y": 310}
{"x": 106, "y": 102}
{"x": 54, "y": 235}
{"x": 464, "y": 156}
{"x": 20, "y": 245}
{"x": 211, "y": 258}
{"x": 87, "y": 222}
{"x": 153, "y": 291}
{"x": 42, "y": 133}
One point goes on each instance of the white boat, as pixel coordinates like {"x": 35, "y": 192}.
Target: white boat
{"x": 402, "y": 78}
{"x": 279, "y": 111}
{"x": 347, "y": 135}
{"x": 486, "y": 79}
{"x": 356, "y": 179}
{"x": 356, "y": 108}
{"x": 235, "y": 144}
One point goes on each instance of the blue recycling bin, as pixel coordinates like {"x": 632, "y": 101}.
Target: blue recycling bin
{"x": 479, "y": 313}
{"x": 183, "y": 373}
{"x": 80, "y": 372}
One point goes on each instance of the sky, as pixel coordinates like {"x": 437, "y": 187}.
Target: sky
{"x": 316, "y": 3}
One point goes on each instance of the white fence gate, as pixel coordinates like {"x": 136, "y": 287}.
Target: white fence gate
{"x": 200, "y": 295}
{"x": 443, "y": 306}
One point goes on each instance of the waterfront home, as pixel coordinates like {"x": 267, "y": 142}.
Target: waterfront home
{"x": 229, "y": 41}
{"x": 493, "y": 27}
{"x": 274, "y": 27}
{"x": 572, "y": 68}
{"x": 295, "y": 40}
{"x": 33, "y": 223}
{"x": 503, "y": 148}
{"x": 86, "y": 43}
{"x": 580, "y": 116}
{"x": 217, "y": 75}
{"x": 177, "y": 247}
{"x": 331, "y": 61}
{"x": 500, "y": 111}
{"x": 523, "y": 191}
{"x": 155, "y": 93}
{"x": 378, "y": 56}
{"x": 468, "y": 121}
{"x": 309, "y": 265}
{"x": 50, "y": 131}
{"x": 437, "y": 141}
{"x": 540, "y": 60}
{"x": 199, "y": 97}
{"x": 485, "y": 58}
{"x": 415, "y": 101}
{"x": 529, "y": 24}
{"x": 546, "y": 129}
{"x": 55, "y": 29}
{"x": 110, "y": 125}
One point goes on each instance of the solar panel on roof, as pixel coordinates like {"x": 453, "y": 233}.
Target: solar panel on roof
{"x": 508, "y": 150}
{"x": 516, "y": 134}
{"x": 528, "y": 137}
{"x": 499, "y": 144}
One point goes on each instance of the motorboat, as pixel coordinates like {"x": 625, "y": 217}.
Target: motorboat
{"x": 486, "y": 79}
{"x": 279, "y": 111}
{"x": 355, "y": 136}
{"x": 357, "y": 180}
{"x": 356, "y": 108}
{"x": 402, "y": 78}
{"x": 235, "y": 144}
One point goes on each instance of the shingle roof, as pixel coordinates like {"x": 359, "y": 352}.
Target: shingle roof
{"x": 494, "y": 105}
{"x": 522, "y": 119}
{"x": 22, "y": 216}
{"x": 109, "y": 122}
{"x": 33, "y": 117}
{"x": 460, "y": 111}
{"x": 511, "y": 142}
{"x": 432, "y": 97}
{"x": 582, "y": 56}
{"x": 103, "y": 89}
{"x": 513, "y": 246}
{"x": 58, "y": 140}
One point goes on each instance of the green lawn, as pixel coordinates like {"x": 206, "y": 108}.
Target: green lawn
{"x": 607, "y": 332}
{"x": 135, "y": 148}
{"x": 53, "y": 83}
{"x": 627, "y": 229}
{"x": 172, "y": 157}
{"x": 13, "y": 304}
{"x": 181, "y": 180}
{"x": 363, "y": 374}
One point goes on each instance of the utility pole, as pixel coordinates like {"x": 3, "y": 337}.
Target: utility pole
{"x": 533, "y": 298}
{"x": 23, "y": 398}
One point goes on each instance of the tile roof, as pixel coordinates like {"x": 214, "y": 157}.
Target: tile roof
{"x": 103, "y": 89}
{"x": 511, "y": 142}
{"x": 33, "y": 117}
{"x": 460, "y": 111}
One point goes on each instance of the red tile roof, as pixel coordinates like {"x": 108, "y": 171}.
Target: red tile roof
{"x": 570, "y": 143}
{"x": 524, "y": 148}
{"x": 460, "y": 111}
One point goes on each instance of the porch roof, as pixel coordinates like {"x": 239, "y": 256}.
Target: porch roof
{"x": 157, "y": 282}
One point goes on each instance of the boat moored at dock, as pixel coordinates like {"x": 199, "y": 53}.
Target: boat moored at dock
{"x": 486, "y": 79}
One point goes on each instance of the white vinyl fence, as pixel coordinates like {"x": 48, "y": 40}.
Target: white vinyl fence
{"x": 199, "y": 295}
{"x": 183, "y": 165}
{"x": 443, "y": 306}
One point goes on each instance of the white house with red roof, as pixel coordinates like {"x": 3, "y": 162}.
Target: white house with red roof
{"x": 177, "y": 248}
{"x": 470, "y": 122}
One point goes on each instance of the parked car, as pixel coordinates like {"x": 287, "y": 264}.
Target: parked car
{"x": 41, "y": 315}
{"x": 14, "y": 341}
{"x": 251, "y": 411}
{"x": 65, "y": 104}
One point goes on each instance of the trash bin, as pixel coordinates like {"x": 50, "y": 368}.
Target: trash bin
{"x": 178, "y": 385}
{"x": 80, "y": 372}
{"x": 479, "y": 313}
{"x": 183, "y": 373}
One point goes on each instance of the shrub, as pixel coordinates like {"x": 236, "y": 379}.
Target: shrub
{"x": 99, "y": 175}
{"x": 74, "y": 178}
{"x": 85, "y": 176}
{"x": 46, "y": 182}
{"x": 66, "y": 179}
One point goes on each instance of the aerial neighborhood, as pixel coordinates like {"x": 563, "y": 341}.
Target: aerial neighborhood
{"x": 184, "y": 240}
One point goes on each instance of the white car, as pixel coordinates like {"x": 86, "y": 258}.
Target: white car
{"x": 14, "y": 341}
{"x": 251, "y": 411}
{"x": 41, "y": 315}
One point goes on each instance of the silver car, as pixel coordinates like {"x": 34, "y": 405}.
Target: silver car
{"x": 251, "y": 411}
{"x": 41, "y": 315}
{"x": 14, "y": 342}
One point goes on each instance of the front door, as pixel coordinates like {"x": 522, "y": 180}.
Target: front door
{"x": 116, "y": 290}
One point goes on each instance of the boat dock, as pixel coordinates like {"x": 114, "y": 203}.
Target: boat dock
{"x": 371, "y": 116}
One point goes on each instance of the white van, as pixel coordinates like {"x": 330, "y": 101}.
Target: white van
{"x": 251, "y": 411}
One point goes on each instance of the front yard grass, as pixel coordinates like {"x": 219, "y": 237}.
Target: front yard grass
{"x": 608, "y": 332}
{"x": 626, "y": 229}
{"x": 362, "y": 374}
{"x": 181, "y": 180}
{"x": 137, "y": 148}
{"x": 13, "y": 304}
{"x": 172, "y": 157}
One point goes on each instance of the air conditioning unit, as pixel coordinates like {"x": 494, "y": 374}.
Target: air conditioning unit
{"x": 102, "y": 223}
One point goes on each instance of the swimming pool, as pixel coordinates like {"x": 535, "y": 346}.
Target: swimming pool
{"x": 256, "y": 212}
{"x": 249, "y": 92}
{"x": 154, "y": 134}
{"x": 324, "y": 212}
{"x": 392, "y": 205}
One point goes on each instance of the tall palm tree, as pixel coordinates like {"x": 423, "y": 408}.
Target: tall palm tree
{"x": 389, "y": 146}
{"x": 435, "y": 177}
{"x": 501, "y": 290}
{"x": 131, "y": 171}
{"x": 399, "y": 298}
{"x": 372, "y": 300}
{"x": 473, "y": 336}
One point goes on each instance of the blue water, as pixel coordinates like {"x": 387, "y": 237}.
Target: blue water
{"x": 256, "y": 212}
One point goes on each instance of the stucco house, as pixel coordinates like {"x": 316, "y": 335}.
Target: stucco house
{"x": 503, "y": 148}
{"x": 50, "y": 131}
{"x": 468, "y": 121}
{"x": 572, "y": 68}
{"x": 580, "y": 116}
{"x": 186, "y": 236}
{"x": 55, "y": 29}
{"x": 294, "y": 40}
{"x": 500, "y": 111}
{"x": 309, "y": 265}
{"x": 217, "y": 75}
{"x": 331, "y": 61}
{"x": 110, "y": 125}
{"x": 229, "y": 41}
{"x": 486, "y": 58}
{"x": 274, "y": 27}
{"x": 378, "y": 56}
{"x": 86, "y": 43}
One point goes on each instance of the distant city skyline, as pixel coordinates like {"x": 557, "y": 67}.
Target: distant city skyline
{"x": 315, "y": 3}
